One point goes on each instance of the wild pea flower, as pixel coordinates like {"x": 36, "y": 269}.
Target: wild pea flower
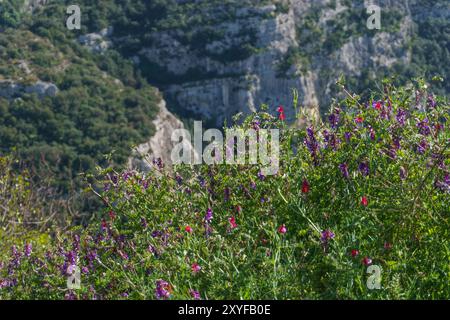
{"x": 232, "y": 222}
{"x": 256, "y": 125}
{"x": 372, "y": 133}
{"x": 334, "y": 118}
{"x": 387, "y": 246}
{"x": 444, "y": 185}
{"x": 312, "y": 144}
{"x": 431, "y": 102}
{"x": 401, "y": 117}
{"x": 354, "y": 253}
{"x": 377, "y": 105}
{"x": 196, "y": 268}
{"x": 27, "y": 249}
{"x": 424, "y": 128}
{"x": 367, "y": 261}
{"x": 179, "y": 179}
{"x": 209, "y": 215}
{"x": 396, "y": 142}
{"x": 188, "y": 229}
{"x": 201, "y": 181}
{"x": 163, "y": 290}
{"x": 422, "y": 147}
{"x": 359, "y": 119}
{"x": 344, "y": 169}
{"x": 364, "y": 201}
{"x": 159, "y": 163}
{"x": 331, "y": 140}
{"x": 70, "y": 296}
{"x": 282, "y": 229}
{"x": 348, "y": 136}
{"x": 326, "y": 236}
{"x": 195, "y": 294}
{"x": 261, "y": 176}
{"x": 305, "y": 186}
{"x": 281, "y": 115}
{"x": 364, "y": 169}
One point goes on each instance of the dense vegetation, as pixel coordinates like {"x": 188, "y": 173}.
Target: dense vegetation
{"x": 370, "y": 186}
{"x": 102, "y": 104}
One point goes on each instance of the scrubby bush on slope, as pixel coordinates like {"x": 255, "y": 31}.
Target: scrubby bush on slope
{"x": 369, "y": 186}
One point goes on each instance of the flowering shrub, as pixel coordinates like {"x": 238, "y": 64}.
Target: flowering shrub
{"x": 369, "y": 186}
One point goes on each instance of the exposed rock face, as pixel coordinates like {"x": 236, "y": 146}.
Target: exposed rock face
{"x": 11, "y": 89}
{"x": 32, "y": 5}
{"x": 97, "y": 42}
{"x": 216, "y": 88}
{"x": 160, "y": 145}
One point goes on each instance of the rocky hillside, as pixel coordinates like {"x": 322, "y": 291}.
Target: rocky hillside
{"x": 210, "y": 59}
{"x": 214, "y": 58}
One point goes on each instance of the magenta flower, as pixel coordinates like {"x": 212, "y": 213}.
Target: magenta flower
{"x": 366, "y": 261}
{"x": 196, "y": 268}
{"x": 282, "y": 229}
{"x": 232, "y": 221}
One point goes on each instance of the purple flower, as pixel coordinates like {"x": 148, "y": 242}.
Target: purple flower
{"x": 344, "y": 169}
{"x": 209, "y": 215}
{"x": 159, "y": 163}
{"x": 397, "y": 143}
{"x": 444, "y": 185}
{"x": 364, "y": 169}
{"x": 401, "y": 117}
{"x": 424, "y": 128}
{"x": 27, "y": 249}
{"x": 70, "y": 296}
{"x": 312, "y": 144}
{"x": 256, "y": 125}
{"x": 331, "y": 140}
{"x": 195, "y": 294}
{"x": 326, "y": 236}
{"x": 163, "y": 289}
{"x": 179, "y": 179}
{"x": 201, "y": 182}
{"x": 261, "y": 176}
{"x": 422, "y": 147}
{"x": 334, "y": 118}
{"x": 431, "y": 102}
{"x": 372, "y": 133}
{"x": 348, "y": 136}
